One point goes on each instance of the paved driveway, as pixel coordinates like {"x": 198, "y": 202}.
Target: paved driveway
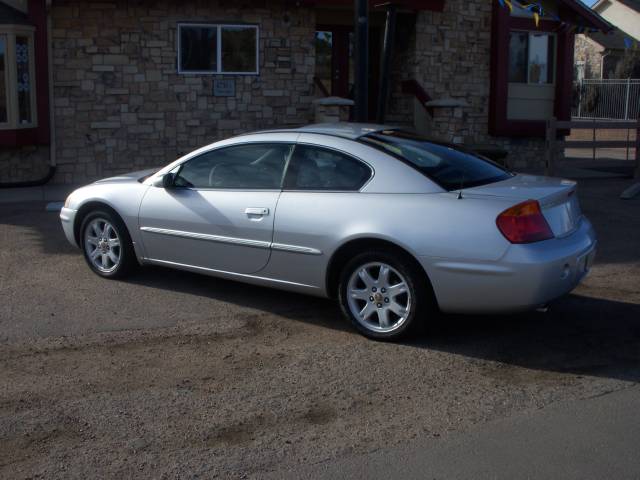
{"x": 175, "y": 374}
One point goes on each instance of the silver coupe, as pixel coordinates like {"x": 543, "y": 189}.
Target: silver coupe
{"x": 396, "y": 227}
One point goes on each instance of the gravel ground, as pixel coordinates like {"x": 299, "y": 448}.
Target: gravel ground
{"x": 171, "y": 374}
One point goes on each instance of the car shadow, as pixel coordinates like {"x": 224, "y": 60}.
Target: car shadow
{"x": 579, "y": 335}
{"x": 290, "y": 305}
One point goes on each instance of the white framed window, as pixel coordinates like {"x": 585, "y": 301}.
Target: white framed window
{"x": 17, "y": 77}
{"x": 218, "y": 49}
{"x": 532, "y": 57}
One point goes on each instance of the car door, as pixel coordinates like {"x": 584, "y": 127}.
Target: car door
{"x": 319, "y": 205}
{"x": 219, "y": 213}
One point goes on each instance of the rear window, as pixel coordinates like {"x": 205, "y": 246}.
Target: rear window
{"x": 451, "y": 167}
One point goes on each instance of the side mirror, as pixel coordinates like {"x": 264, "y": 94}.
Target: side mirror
{"x": 169, "y": 180}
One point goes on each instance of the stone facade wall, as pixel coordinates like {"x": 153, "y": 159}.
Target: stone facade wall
{"x": 589, "y": 52}
{"x": 121, "y": 105}
{"x": 452, "y": 60}
{"x": 23, "y": 164}
{"x": 401, "y": 107}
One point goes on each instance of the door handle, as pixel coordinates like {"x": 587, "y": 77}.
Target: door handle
{"x": 256, "y": 211}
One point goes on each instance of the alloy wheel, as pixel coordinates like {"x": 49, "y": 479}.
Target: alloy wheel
{"x": 102, "y": 244}
{"x": 379, "y": 297}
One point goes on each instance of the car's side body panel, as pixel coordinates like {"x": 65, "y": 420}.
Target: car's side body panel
{"x": 526, "y": 277}
{"x": 122, "y": 196}
{"x": 209, "y": 228}
{"x": 471, "y": 265}
{"x": 433, "y": 225}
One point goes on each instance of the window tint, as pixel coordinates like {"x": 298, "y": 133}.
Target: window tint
{"x": 250, "y": 166}
{"x": 239, "y": 53}
{"x": 451, "y": 167}
{"x": 3, "y": 81}
{"x": 198, "y": 48}
{"x": 531, "y": 57}
{"x": 518, "y": 57}
{"x": 17, "y": 95}
{"x": 314, "y": 168}
{"x": 24, "y": 80}
{"x": 219, "y": 49}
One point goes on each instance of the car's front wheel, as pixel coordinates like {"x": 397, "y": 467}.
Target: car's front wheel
{"x": 385, "y": 295}
{"x": 106, "y": 245}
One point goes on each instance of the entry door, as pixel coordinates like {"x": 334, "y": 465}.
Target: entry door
{"x": 219, "y": 214}
{"x": 334, "y": 59}
{"x": 335, "y": 63}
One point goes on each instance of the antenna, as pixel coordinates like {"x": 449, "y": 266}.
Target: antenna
{"x": 461, "y": 185}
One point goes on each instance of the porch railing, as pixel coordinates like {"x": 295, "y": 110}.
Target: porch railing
{"x": 607, "y": 99}
{"x": 552, "y": 144}
{"x": 413, "y": 87}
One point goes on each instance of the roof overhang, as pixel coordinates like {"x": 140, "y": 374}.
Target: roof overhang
{"x": 570, "y": 11}
{"x": 433, "y": 5}
{"x": 576, "y": 12}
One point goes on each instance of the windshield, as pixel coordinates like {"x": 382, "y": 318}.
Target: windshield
{"x": 450, "y": 166}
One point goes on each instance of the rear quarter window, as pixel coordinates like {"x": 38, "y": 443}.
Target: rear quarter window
{"x": 317, "y": 168}
{"x": 450, "y": 166}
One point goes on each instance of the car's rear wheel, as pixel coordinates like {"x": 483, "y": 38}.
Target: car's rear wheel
{"x": 385, "y": 295}
{"x": 106, "y": 245}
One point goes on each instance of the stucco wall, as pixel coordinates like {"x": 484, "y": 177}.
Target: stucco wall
{"x": 622, "y": 16}
{"x": 120, "y": 103}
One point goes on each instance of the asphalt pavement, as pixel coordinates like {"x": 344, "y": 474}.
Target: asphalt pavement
{"x": 596, "y": 438}
{"x": 170, "y": 374}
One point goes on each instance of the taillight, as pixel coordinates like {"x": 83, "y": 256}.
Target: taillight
{"x": 524, "y": 223}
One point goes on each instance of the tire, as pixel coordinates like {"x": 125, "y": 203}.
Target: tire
{"x": 109, "y": 253}
{"x": 407, "y": 290}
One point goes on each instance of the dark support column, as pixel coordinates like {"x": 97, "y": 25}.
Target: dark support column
{"x": 361, "y": 60}
{"x": 385, "y": 65}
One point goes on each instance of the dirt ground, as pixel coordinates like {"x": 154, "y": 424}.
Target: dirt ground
{"x": 171, "y": 374}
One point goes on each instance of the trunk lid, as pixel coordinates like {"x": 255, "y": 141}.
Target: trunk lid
{"x": 557, "y": 198}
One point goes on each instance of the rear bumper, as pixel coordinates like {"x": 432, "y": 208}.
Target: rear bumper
{"x": 526, "y": 277}
{"x": 67, "y": 217}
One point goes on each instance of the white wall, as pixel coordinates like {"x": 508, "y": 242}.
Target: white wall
{"x": 621, "y": 16}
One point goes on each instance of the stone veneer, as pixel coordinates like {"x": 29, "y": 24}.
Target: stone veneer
{"x": 589, "y": 52}
{"x": 121, "y": 105}
{"x": 449, "y": 55}
{"x": 20, "y": 164}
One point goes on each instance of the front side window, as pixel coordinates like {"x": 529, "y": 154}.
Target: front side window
{"x": 252, "y": 166}
{"x": 17, "y": 93}
{"x": 316, "y": 168}
{"x": 450, "y": 167}
{"x": 531, "y": 57}
{"x": 217, "y": 49}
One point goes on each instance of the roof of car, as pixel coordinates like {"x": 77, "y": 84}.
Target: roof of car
{"x": 348, "y": 130}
